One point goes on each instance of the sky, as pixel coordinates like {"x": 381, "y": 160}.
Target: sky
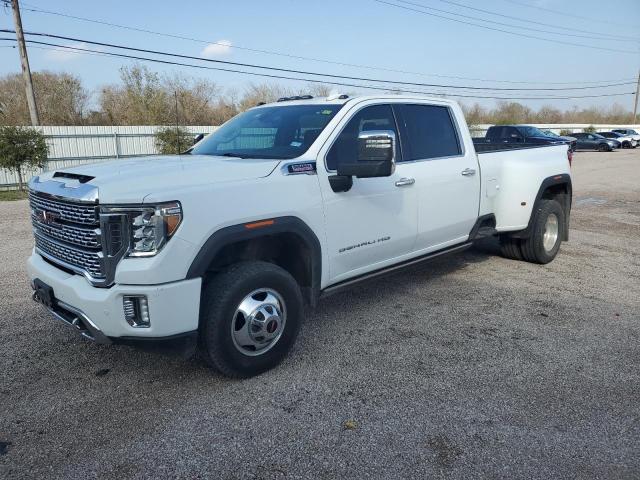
{"x": 400, "y": 44}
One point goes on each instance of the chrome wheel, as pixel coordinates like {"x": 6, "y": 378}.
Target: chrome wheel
{"x": 258, "y": 322}
{"x": 551, "y": 230}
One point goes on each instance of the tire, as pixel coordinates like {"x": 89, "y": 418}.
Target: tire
{"x": 626, "y": 145}
{"x": 544, "y": 242}
{"x": 250, "y": 316}
{"x": 604, "y": 148}
{"x": 510, "y": 247}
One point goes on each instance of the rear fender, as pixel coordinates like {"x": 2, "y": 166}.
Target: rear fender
{"x": 560, "y": 187}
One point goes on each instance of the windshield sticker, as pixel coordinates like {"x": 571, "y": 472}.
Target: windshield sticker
{"x": 326, "y": 112}
{"x": 296, "y": 144}
{"x": 307, "y": 167}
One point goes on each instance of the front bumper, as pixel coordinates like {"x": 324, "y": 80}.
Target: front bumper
{"x": 98, "y": 312}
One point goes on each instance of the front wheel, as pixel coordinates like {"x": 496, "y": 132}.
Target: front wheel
{"x": 546, "y": 235}
{"x": 604, "y": 148}
{"x": 249, "y": 318}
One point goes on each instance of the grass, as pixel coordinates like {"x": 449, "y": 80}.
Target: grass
{"x": 10, "y": 195}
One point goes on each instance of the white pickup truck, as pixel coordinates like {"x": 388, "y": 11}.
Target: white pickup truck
{"x": 221, "y": 247}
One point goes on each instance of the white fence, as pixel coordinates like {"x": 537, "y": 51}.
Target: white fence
{"x": 72, "y": 146}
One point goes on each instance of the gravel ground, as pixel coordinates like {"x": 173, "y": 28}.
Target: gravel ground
{"x": 470, "y": 367}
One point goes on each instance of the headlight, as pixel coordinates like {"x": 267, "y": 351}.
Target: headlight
{"x": 150, "y": 226}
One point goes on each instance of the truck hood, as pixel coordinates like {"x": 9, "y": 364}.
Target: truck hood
{"x": 131, "y": 180}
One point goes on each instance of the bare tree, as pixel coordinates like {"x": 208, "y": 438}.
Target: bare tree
{"x": 139, "y": 100}
{"x": 61, "y": 98}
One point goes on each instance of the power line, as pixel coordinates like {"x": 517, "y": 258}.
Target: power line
{"x": 309, "y": 80}
{"x": 563, "y": 27}
{"x": 304, "y": 72}
{"x": 572, "y": 15}
{"x": 503, "y": 31}
{"x": 298, "y": 57}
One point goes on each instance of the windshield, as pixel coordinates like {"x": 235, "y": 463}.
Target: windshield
{"x": 549, "y": 133}
{"x": 532, "y": 132}
{"x": 278, "y": 132}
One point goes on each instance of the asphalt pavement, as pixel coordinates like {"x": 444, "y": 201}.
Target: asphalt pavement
{"x": 473, "y": 366}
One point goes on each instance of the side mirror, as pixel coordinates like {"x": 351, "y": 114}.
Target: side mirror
{"x": 376, "y": 155}
{"x": 198, "y": 137}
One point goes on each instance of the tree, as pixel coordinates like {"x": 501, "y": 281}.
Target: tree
{"x": 139, "y": 100}
{"x": 172, "y": 140}
{"x": 589, "y": 129}
{"x": 20, "y": 148}
{"x": 61, "y": 98}
{"x": 263, "y": 92}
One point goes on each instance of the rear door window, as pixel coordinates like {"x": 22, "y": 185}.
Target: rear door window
{"x": 429, "y": 131}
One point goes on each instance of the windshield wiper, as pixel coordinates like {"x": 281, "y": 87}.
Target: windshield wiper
{"x": 238, "y": 155}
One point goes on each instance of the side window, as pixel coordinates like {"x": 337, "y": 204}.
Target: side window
{"x": 430, "y": 132}
{"x": 514, "y": 133}
{"x": 345, "y": 148}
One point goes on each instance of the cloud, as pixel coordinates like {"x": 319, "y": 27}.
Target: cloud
{"x": 66, "y": 55}
{"x": 217, "y": 49}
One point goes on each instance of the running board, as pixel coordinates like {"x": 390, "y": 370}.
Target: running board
{"x": 346, "y": 284}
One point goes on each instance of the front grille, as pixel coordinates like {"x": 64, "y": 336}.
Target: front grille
{"x": 87, "y": 261}
{"x": 72, "y": 212}
{"x": 68, "y": 233}
{"x": 85, "y": 237}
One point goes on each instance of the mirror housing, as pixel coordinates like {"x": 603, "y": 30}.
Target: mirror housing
{"x": 198, "y": 137}
{"x": 376, "y": 155}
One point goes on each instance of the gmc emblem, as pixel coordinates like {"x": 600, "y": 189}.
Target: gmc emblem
{"x": 47, "y": 217}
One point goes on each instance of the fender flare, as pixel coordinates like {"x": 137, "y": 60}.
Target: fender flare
{"x": 271, "y": 226}
{"x": 560, "y": 179}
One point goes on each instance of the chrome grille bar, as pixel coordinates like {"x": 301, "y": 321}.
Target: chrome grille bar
{"x": 84, "y": 237}
{"x": 75, "y": 259}
{"x": 85, "y": 214}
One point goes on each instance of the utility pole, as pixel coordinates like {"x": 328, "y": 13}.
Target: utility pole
{"x": 635, "y": 105}
{"x": 175, "y": 93}
{"x": 24, "y": 60}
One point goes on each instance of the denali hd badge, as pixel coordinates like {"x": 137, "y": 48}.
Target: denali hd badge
{"x": 363, "y": 244}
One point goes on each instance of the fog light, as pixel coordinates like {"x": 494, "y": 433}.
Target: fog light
{"x": 136, "y": 311}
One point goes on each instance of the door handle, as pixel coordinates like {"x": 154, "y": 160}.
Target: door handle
{"x": 405, "y": 181}
{"x": 467, "y": 172}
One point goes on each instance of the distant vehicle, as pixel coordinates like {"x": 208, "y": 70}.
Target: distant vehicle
{"x": 571, "y": 140}
{"x": 627, "y": 141}
{"x": 628, "y": 131}
{"x": 593, "y": 141}
{"x": 525, "y": 134}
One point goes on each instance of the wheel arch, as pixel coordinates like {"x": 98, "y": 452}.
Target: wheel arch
{"x": 559, "y": 188}
{"x": 285, "y": 241}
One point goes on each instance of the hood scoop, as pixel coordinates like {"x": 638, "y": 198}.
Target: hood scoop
{"x": 74, "y": 176}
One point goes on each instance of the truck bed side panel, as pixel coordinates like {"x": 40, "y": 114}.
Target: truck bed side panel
{"x": 511, "y": 180}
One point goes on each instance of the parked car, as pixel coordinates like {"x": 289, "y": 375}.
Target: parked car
{"x": 593, "y": 141}
{"x": 626, "y": 141}
{"x": 285, "y": 203}
{"x": 628, "y": 131}
{"x": 524, "y": 134}
{"x": 552, "y": 134}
